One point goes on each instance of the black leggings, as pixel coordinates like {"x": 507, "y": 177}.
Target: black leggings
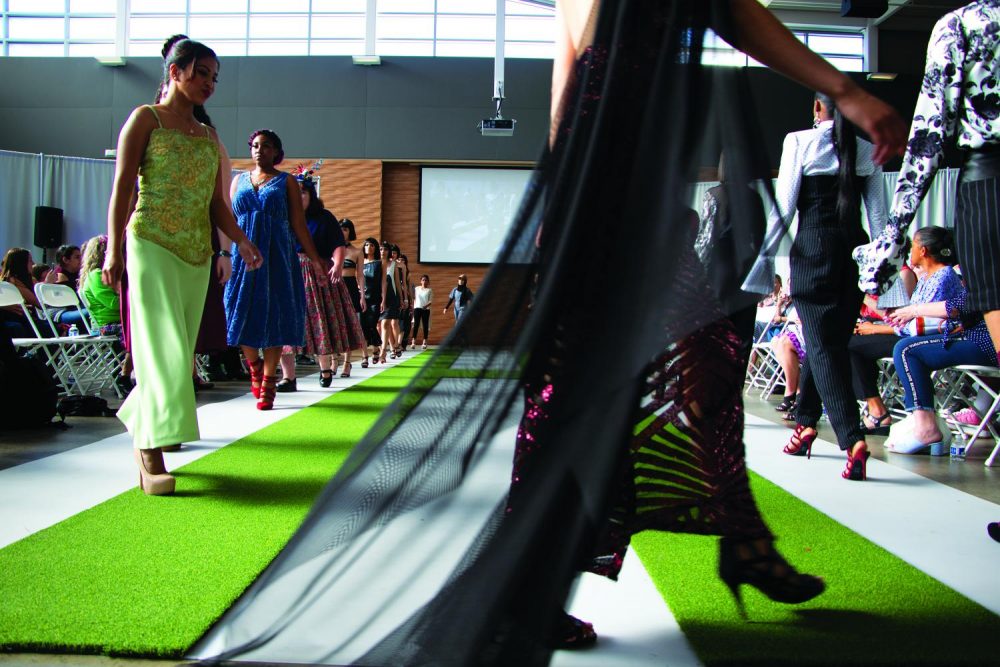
{"x": 421, "y": 315}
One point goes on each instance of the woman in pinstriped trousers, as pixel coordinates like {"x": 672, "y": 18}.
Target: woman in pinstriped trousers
{"x": 824, "y": 174}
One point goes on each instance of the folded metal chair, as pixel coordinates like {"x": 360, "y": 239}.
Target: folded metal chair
{"x": 90, "y": 358}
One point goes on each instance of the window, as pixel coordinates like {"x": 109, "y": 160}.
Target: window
{"x": 843, "y": 50}
{"x": 251, "y": 27}
{"x": 57, "y": 27}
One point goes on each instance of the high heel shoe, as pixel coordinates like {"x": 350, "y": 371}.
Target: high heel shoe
{"x": 325, "y": 378}
{"x": 877, "y": 425}
{"x": 268, "y": 387}
{"x": 993, "y": 530}
{"x": 287, "y": 385}
{"x": 856, "y": 466}
{"x": 153, "y": 484}
{"x": 758, "y": 564}
{"x": 799, "y": 444}
{"x": 787, "y": 403}
{"x": 346, "y": 373}
{"x": 569, "y": 632}
{"x": 364, "y": 363}
{"x": 381, "y": 357}
{"x": 256, "y": 369}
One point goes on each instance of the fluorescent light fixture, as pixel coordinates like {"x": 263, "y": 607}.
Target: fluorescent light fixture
{"x": 111, "y": 152}
{"x": 111, "y": 61}
{"x": 367, "y": 60}
{"x": 882, "y": 76}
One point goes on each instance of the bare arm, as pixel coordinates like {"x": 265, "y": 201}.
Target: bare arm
{"x": 337, "y": 264}
{"x": 760, "y": 35}
{"x": 221, "y": 213}
{"x": 223, "y": 264}
{"x": 132, "y": 142}
{"x": 297, "y": 220}
{"x": 562, "y": 65}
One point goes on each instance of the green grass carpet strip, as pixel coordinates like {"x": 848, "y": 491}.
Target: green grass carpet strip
{"x": 146, "y": 576}
{"x": 877, "y": 609}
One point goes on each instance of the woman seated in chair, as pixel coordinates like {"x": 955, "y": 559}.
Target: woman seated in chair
{"x": 960, "y": 338}
{"x": 789, "y": 348}
{"x": 16, "y": 270}
{"x": 932, "y": 256}
{"x": 103, "y": 302}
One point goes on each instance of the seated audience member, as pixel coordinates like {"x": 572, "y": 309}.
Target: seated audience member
{"x": 67, "y": 271}
{"x": 790, "y": 349}
{"x": 42, "y": 273}
{"x": 68, "y": 261}
{"x": 964, "y": 340}
{"x": 16, "y": 270}
{"x": 781, "y": 302}
{"x": 932, "y": 256}
{"x": 104, "y": 303}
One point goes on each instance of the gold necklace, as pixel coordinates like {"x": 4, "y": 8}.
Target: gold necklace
{"x": 261, "y": 181}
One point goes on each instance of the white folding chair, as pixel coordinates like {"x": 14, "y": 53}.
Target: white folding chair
{"x": 962, "y": 384}
{"x": 117, "y": 357}
{"x": 760, "y": 350}
{"x": 890, "y": 388}
{"x": 55, "y": 356}
{"x": 92, "y": 360}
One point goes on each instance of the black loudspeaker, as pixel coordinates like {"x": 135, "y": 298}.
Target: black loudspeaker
{"x": 864, "y": 9}
{"x": 48, "y": 226}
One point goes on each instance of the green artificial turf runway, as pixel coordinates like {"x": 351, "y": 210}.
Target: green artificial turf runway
{"x": 877, "y": 609}
{"x": 146, "y": 576}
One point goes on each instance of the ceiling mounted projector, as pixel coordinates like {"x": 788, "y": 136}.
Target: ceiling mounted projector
{"x": 497, "y": 127}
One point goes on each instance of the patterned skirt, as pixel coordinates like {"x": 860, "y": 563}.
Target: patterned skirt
{"x": 332, "y": 325}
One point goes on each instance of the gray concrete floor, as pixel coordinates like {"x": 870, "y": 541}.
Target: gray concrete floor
{"x": 970, "y": 475}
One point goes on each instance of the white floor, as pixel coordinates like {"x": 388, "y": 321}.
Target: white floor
{"x": 930, "y": 525}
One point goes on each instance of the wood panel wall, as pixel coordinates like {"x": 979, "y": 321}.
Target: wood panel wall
{"x": 383, "y": 201}
{"x": 401, "y": 224}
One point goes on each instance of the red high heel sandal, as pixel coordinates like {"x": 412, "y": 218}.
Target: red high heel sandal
{"x": 256, "y": 369}
{"x": 268, "y": 387}
{"x": 856, "y": 469}
{"x": 800, "y": 445}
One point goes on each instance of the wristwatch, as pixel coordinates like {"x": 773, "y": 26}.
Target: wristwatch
{"x": 223, "y": 253}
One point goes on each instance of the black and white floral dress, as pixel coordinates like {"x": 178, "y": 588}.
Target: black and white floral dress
{"x": 959, "y": 100}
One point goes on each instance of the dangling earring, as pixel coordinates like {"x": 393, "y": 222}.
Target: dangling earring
{"x": 816, "y": 122}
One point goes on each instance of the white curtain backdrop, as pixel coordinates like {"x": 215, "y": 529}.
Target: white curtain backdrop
{"x": 20, "y": 191}
{"x": 81, "y": 187}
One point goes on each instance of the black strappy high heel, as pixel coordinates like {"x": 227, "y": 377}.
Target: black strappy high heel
{"x": 758, "y": 564}
{"x": 787, "y": 404}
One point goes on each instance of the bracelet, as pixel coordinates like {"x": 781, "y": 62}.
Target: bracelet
{"x": 223, "y": 253}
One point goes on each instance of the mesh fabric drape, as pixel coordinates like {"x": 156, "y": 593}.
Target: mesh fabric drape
{"x": 410, "y": 555}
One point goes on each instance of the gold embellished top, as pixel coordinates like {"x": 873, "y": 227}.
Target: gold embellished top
{"x": 176, "y": 181}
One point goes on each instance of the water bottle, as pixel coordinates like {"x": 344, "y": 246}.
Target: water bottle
{"x": 73, "y": 330}
{"x": 957, "y": 450}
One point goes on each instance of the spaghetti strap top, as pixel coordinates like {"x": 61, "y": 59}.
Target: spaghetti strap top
{"x": 176, "y": 181}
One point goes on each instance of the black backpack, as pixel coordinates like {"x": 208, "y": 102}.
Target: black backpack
{"x": 28, "y": 388}
{"x": 83, "y": 406}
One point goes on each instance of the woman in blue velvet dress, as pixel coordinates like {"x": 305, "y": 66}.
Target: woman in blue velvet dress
{"x": 265, "y": 309}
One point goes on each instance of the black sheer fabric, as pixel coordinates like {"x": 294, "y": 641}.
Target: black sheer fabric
{"x": 411, "y": 555}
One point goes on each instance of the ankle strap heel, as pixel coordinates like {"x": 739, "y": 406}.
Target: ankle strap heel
{"x": 268, "y": 388}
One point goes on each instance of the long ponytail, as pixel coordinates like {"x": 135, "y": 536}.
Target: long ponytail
{"x": 845, "y": 140}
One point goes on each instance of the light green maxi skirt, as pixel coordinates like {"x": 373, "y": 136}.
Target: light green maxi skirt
{"x": 166, "y": 298}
